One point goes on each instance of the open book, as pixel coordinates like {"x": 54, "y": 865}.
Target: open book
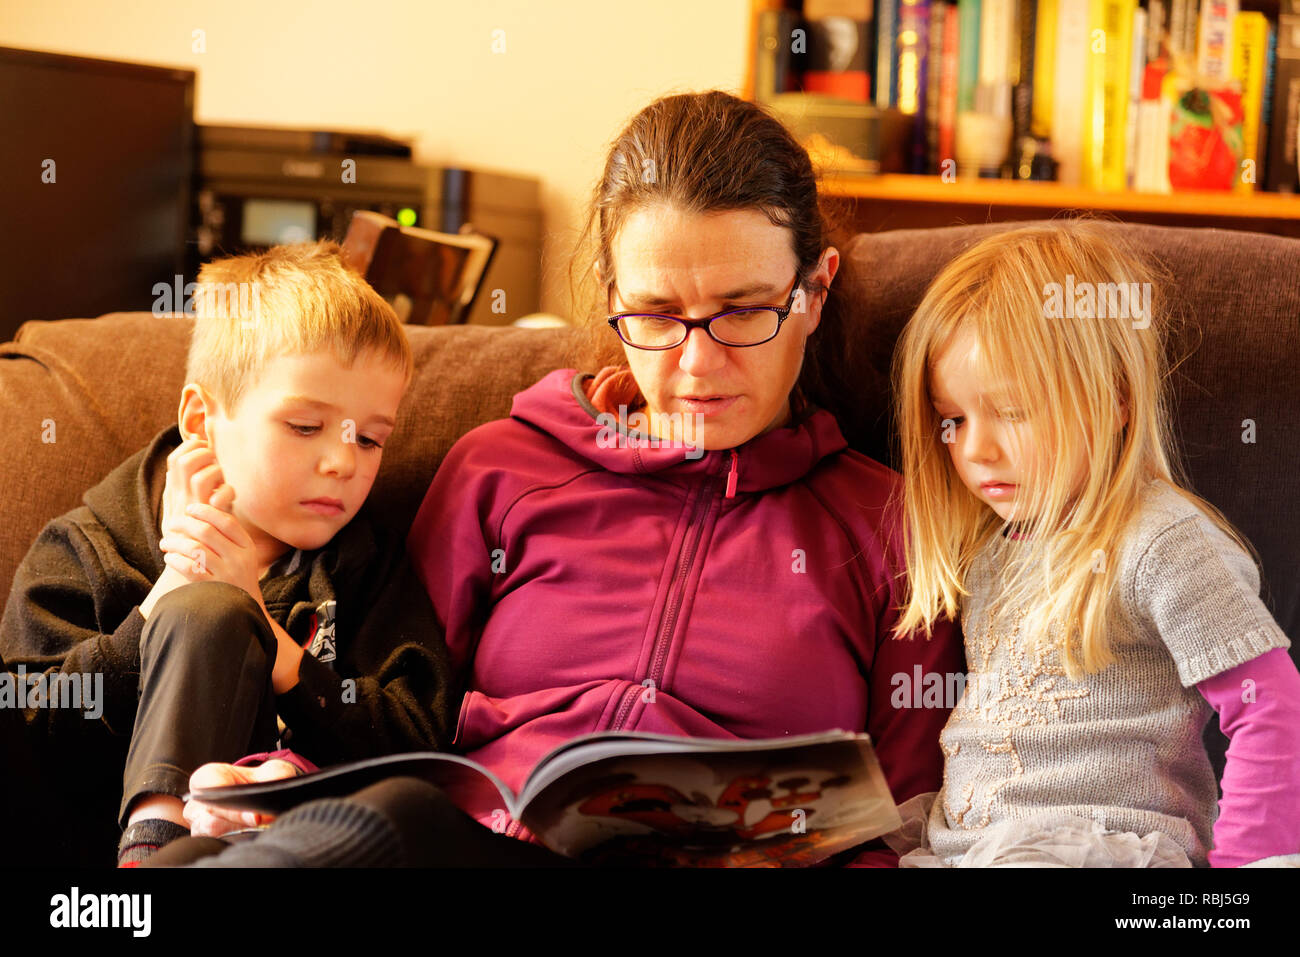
{"x": 627, "y": 797}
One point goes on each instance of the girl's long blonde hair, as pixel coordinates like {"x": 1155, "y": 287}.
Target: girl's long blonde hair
{"x": 1090, "y": 377}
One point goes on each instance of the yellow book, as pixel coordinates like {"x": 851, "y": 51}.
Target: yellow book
{"x": 1110, "y": 49}
{"x": 1249, "y": 49}
{"x": 1119, "y": 58}
{"x": 1040, "y": 123}
{"x": 1094, "y": 95}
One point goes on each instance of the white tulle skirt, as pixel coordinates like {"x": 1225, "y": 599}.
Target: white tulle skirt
{"x": 1051, "y": 839}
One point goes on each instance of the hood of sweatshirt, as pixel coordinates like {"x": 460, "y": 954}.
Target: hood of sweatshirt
{"x": 559, "y": 405}
{"x": 128, "y": 502}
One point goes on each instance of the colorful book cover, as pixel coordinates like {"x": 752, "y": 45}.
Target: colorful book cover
{"x": 1204, "y": 134}
{"x": 649, "y": 799}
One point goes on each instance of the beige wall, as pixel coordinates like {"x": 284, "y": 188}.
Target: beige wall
{"x": 571, "y": 73}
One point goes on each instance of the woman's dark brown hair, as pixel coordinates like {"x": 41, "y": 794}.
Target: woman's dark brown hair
{"x": 703, "y": 153}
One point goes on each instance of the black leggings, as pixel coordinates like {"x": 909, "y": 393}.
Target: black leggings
{"x": 206, "y": 654}
{"x": 400, "y": 822}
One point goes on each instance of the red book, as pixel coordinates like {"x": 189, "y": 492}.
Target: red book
{"x": 948, "y": 86}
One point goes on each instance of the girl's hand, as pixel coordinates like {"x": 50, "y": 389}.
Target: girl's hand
{"x": 208, "y": 544}
{"x": 207, "y": 820}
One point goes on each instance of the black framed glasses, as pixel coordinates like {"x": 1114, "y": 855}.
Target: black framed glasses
{"x": 737, "y": 328}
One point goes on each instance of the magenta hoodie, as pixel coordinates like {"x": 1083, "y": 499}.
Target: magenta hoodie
{"x": 573, "y": 576}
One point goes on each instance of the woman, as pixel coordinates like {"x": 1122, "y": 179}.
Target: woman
{"x": 681, "y": 543}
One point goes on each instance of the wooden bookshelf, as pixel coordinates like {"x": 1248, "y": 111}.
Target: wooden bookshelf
{"x": 899, "y": 201}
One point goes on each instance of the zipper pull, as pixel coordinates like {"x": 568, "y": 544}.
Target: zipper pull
{"x": 732, "y": 476}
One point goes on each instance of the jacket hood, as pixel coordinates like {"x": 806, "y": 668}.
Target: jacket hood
{"x": 130, "y": 499}
{"x": 558, "y": 405}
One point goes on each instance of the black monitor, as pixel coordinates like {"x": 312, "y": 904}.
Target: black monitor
{"x": 116, "y": 141}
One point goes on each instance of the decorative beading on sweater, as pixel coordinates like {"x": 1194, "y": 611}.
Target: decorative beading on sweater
{"x": 1122, "y": 746}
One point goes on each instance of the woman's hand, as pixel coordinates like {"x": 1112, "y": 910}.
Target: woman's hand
{"x": 206, "y": 820}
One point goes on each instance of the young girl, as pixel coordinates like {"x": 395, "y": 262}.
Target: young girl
{"x": 1105, "y": 607}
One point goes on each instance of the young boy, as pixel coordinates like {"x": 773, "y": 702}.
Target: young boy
{"x": 266, "y": 611}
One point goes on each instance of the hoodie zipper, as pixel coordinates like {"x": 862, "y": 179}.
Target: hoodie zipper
{"x": 708, "y": 491}
{"x": 669, "y": 621}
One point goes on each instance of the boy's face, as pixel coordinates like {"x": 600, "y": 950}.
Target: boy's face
{"x": 303, "y": 444}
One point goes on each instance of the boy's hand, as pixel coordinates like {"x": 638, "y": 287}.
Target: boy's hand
{"x": 208, "y": 544}
{"x": 193, "y": 477}
{"x": 207, "y": 820}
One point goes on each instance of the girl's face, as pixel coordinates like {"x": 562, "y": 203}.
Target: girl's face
{"x": 680, "y": 263}
{"x": 993, "y": 447}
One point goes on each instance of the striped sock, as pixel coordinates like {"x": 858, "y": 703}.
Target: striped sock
{"x": 145, "y": 836}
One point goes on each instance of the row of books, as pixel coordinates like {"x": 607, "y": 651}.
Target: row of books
{"x": 1152, "y": 95}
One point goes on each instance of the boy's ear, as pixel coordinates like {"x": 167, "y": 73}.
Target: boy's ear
{"x": 195, "y": 408}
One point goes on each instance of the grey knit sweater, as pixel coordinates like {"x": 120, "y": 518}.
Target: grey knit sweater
{"x": 1123, "y": 746}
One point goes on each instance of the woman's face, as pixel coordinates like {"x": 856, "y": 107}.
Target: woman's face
{"x": 693, "y": 265}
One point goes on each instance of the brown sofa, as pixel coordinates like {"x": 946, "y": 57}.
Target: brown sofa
{"x": 101, "y": 388}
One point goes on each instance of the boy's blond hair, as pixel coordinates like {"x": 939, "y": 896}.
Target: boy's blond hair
{"x": 1075, "y": 377}
{"x": 288, "y": 300}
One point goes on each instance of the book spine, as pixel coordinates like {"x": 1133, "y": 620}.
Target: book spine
{"x": 1137, "y": 64}
{"x": 1044, "y": 73}
{"x": 1214, "y": 49}
{"x": 968, "y": 63}
{"x": 1182, "y": 30}
{"x": 1282, "y": 172}
{"x": 1068, "y": 102}
{"x": 933, "y": 80}
{"x": 773, "y": 52}
{"x": 1157, "y": 27}
{"x": 886, "y": 40}
{"x": 1022, "y": 97}
{"x": 949, "y": 69}
{"x": 913, "y": 23}
{"x": 913, "y": 49}
{"x": 1266, "y": 106}
{"x": 1249, "y": 47}
{"x": 1117, "y": 22}
{"x": 1094, "y": 97}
